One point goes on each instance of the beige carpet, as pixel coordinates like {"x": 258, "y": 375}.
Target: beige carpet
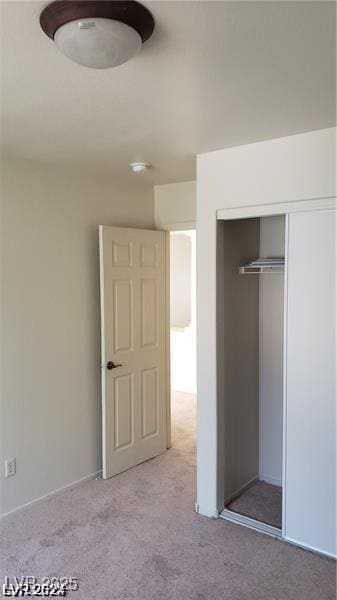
{"x": 262, "y": 501}
{"x": 137, "y": 537}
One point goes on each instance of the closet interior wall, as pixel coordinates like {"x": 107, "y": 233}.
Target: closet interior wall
{"x": 271, "y": 336}
{"x": 239, "y": 355}
{"x": 250, "y": 355}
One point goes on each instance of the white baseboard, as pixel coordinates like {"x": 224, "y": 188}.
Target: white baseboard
{"x": 241, "y": 489}
{"x": 206, "y": 511}
{"x": 53, "y": 493}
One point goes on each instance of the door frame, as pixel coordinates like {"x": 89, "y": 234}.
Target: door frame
{"x": 179, "y": 226}
{"x": 168, "y": 228}
{"x": 258, "y": 211}
{"x": 168, "y": 344}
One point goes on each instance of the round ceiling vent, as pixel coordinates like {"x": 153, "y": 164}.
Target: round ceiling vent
{"x": 95, "y": 33}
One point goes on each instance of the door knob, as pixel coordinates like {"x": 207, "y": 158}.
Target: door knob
{"x": 111, "y": 365}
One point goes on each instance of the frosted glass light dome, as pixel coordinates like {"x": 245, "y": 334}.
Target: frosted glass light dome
{"x": 98, "y": 43}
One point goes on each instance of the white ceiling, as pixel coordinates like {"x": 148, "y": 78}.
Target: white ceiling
{"x": 213, "y": 75}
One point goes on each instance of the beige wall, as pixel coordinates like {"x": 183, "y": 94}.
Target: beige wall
{"x": 180, "y": 280}
{"x": 175, "y": 203}
{"x": 50, "y": 378}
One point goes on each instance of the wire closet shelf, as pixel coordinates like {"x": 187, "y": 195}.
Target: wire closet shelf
{"x": 263, "y": 265}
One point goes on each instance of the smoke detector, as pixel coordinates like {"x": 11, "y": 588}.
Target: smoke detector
{"x": 95, "y": 33}
{"x": 139, "y": 167}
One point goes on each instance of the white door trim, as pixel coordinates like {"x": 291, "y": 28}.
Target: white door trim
{"x": 278, "y": 208}
{"x": 168, "y": 345}
{"x": 285, "y": 341}
{"x": 179, "y": 226}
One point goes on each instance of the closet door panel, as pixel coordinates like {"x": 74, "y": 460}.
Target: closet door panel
{"x": 310, "y": 450}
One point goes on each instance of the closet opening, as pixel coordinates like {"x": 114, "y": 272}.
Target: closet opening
{"x": 250, "y": 333}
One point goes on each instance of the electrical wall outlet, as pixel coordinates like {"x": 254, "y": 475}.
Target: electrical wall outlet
{"x": 10, "y": 467}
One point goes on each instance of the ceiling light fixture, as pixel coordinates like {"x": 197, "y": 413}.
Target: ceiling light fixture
{"x": 139, "y": 167}
{"x": 97, "y": 33}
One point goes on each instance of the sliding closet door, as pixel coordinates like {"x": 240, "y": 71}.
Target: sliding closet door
{"x": 310, "y": 457}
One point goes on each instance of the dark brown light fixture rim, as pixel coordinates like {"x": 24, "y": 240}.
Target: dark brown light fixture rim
{"x": 131, "y": 13}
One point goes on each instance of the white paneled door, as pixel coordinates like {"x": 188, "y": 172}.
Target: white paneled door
{"x": 134, "y": 364}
